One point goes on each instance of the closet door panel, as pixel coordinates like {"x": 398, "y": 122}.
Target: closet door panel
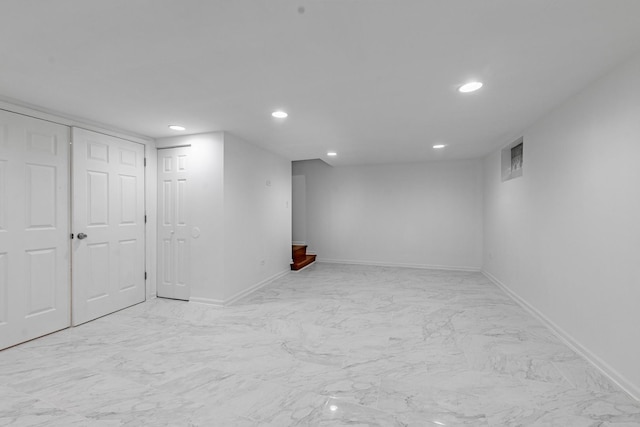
{"x": 35, "y": 287}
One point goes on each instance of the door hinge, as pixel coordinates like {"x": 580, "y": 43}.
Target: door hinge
{"x": 145, "y": 162}
{"x": 145, "y": 275}
{"x": 145, "y": 218}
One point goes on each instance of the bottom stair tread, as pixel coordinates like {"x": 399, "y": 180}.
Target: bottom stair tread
{"x": 297, "y": 265}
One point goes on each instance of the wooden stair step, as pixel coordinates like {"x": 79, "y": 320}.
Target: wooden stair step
{"x": 299, "y": 252}
{"x": 297, "y": 265}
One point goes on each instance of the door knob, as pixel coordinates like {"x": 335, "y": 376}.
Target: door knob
{"x": 82, "y": 236}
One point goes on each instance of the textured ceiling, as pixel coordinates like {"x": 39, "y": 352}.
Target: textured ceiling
{"x": 373, "y": 80}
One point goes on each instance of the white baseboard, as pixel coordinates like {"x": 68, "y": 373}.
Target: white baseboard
{"x": 207, "y": 301}
{"x": 255, "y": 287}
{"x": 239, "y": 295}
{"x": 400, "y": 265}
{"x": 299, "y": 243}
{"x": 604, "y": 368}
{"x": 303, "y": 268}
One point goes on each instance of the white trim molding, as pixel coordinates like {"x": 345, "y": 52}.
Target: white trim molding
{"x": 255, "y": 287}
{"x": 207, "y": 301}
{"x": 239, "y": 295}
{"x": 603, "y": 367}
{"x": 16, "y": 106}
{"x": 399, "y": 265}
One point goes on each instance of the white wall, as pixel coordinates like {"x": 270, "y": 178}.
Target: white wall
{"x": 417, "y": 214}
{"x": 150, "y": 206}
{"x": 565, "y": 237}
{"x": 257, "y": 216}
{"x": 205, "y": 201}
{"x": 245, "y": 224}
{"x": 299, "y": 209}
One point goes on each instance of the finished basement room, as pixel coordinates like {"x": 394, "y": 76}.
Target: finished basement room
{"x": 319, "y": 213}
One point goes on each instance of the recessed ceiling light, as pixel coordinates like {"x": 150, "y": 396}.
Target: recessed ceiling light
{"x": 439, "y": 146}
{"x": 470, "y": 87}
{"x": 177, "y": 127}
{"x": 332, "y": 153}
{"x": 279, "y": 114}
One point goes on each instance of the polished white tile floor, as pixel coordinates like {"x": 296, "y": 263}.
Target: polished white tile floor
{"x": 332, "y": 345}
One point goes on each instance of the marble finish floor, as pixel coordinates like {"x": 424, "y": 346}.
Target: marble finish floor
{"x": 332, "y": 345}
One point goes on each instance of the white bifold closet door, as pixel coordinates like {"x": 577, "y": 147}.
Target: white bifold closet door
{"x": 34, "y": 228}
{"x": 108, "y": 272}
{"x": 173, "y": 224}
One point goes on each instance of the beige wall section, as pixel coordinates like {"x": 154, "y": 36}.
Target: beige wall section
{"x": 239, "y": 198}
{"x": 414, "y": 214}
{"x": 565, "y": 237}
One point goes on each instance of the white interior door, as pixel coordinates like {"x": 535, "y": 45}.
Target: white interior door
{"x": 173, "y": 231}
{"x": 108, "y": 272}
{"x": 34, "y": 228}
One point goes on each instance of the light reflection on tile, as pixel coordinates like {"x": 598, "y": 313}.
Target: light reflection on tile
{"x": 333, "y": 345}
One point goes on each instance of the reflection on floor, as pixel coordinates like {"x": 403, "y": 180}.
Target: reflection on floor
{"x": 329, "y": 346}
